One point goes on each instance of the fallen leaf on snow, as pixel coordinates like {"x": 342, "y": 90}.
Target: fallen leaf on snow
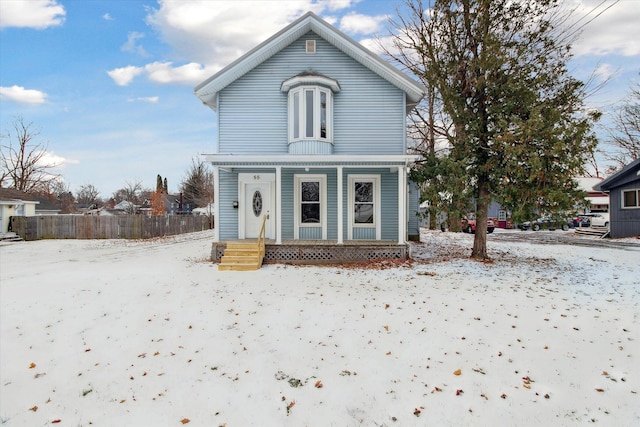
{"x": 34, "y": 409}
{"x": 319, "y": 384}
{"x": 457, "y": 372}
{"x": 185, "y": 421}
{"x": 32, "y": 365}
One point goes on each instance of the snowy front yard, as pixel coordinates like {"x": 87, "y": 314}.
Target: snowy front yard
{"x": 133, "y": 333}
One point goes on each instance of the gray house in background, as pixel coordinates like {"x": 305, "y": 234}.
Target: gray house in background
{"x": 624, "y": 200}
{"x": 312, "y": 133}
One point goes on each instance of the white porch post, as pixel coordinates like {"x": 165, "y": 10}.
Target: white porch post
{"x": 216, "y": 204}
{"x": 278, "y": 205}
{"x": 402, "y": 204}
{"x": 340, "y": 207}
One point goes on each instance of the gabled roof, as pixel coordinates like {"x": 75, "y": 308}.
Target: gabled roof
{"x": 208, "y": 90}
{"x": 627, "y": 173}
{"x": 11, "y": 194}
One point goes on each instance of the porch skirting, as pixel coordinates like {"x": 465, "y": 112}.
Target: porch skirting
{"x": 324, "y": 251}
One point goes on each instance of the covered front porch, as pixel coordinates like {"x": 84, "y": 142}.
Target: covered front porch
{"x": 321, "y": 251}
{"x": 333, "y": 199}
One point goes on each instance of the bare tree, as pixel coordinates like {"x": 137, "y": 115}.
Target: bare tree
{"x": 133, "y": 193}
{"x": 23, "y": 162}
{"x": 88, "y": 195}
{"x": 625, "y": 135}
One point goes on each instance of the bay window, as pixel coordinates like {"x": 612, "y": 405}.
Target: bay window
{"x": 310, "y": 113}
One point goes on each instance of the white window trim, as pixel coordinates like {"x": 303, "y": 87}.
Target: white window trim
{"x": 316, "y": 114}
{"x": 377, "y": 220}
{"x": 297, "y": 200}
{"x": 637, "y": 206}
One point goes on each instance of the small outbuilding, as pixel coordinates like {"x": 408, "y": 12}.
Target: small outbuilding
{"x": 624, "y": 200}
{"x": 15, "y": 203}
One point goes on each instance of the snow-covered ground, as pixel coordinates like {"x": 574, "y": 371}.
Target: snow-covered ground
{"x": 148, "y": 333}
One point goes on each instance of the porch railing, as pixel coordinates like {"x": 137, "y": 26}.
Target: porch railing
{"x": 261, "y": 238}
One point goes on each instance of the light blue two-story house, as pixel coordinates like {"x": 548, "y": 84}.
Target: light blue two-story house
{"x": 312, "y": 132}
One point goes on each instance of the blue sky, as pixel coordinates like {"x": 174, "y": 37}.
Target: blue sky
{"x": 109, "y": 84}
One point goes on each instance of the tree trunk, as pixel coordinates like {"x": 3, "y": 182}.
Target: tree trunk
{"x": 480, "y": 240}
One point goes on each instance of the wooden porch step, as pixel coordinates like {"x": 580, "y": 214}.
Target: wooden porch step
{"x": 241, "y": 256}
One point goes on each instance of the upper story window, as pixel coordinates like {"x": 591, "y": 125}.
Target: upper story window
{"x": 310, "y": 106}
{"x": 310, "y": 113}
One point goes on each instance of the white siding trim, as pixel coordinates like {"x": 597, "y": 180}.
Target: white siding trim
{"x": 340, "y": 206}
{"x": 216, "y": 205}
{"x": 402, "y": 205}
{"x": 312, "y": 158}
{"x": 278, "y": 205}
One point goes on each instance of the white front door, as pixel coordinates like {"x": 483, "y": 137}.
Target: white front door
{"x": 257, "y": 192}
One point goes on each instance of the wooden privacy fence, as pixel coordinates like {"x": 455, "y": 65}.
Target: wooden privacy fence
{"x": 106, "y": 227}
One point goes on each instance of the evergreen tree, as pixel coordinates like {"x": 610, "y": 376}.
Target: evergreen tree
{"x": 519, "y": 133}
{"x": 159, "y": 188}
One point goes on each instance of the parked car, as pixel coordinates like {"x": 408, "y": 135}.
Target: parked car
{"x": 468, "y": 224}
{"x": 547, "y": 223}
{"x": 582, "y": 220}
{"x": 600, "y": 219}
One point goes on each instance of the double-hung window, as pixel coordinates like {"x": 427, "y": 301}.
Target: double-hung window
{"x": 364, "y": 207}
{"x": 310, "y": 204}
{"x": 631, "y": 198}
{"x": 310, "y": 113}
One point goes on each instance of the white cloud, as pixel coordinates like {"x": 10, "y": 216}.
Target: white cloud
{"x": 378, "y": 45}
{"x": 149, "y": 99}
{"x": 206, "y": 36}
{"x": 164, "y": 72}
{"x": 131, "y": 45}
{"x": 614, "y": 27}
{"x": 362, "y": 24}
{"x": 107, "y": 17}
{"x": 22, "y": 96}
{"x": 604, "y": 71}
{"x": 31, "y": 13}
{"x": 125, "y": 75}
{"x": 52, "y": 160}
{"x": 216, "y": 33}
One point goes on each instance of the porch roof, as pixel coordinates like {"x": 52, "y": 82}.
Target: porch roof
{"x": 333, "y": 160}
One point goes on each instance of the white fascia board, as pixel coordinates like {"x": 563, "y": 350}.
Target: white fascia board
{"x": 208, "y": 90}
{"x": 380, "y": 160}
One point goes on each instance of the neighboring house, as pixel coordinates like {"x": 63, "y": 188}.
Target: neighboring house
{"x": 312, "y": 133}
{"x": 206, "y": 210}
{"x": 598, "y": 201}
{"x": 46, "y": 207}
{"x": 124, "y": 207}
{"x": 624, "y": 195}
{"x": 174, "y": 204}
{"x": 15, "y": 203}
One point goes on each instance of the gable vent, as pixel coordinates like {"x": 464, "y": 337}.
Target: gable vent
{"x": 311, "y": 46}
